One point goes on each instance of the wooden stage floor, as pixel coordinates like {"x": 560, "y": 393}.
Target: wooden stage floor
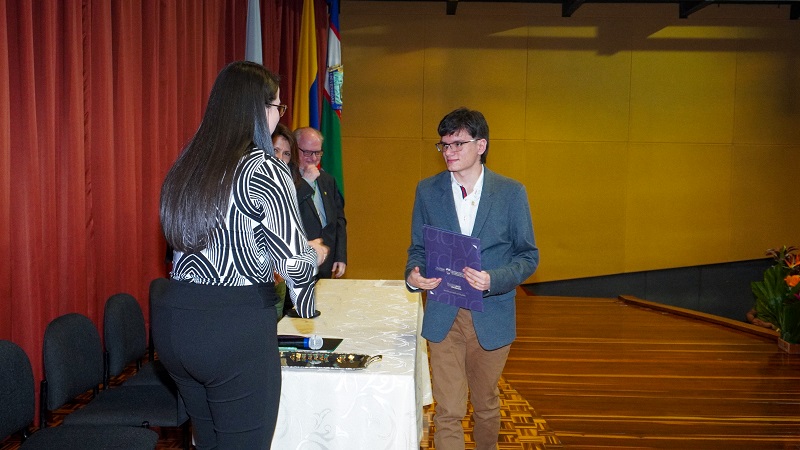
{"x": 611, "y": 374}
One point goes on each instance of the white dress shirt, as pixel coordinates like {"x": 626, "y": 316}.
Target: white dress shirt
{"x": 466, "y": 207}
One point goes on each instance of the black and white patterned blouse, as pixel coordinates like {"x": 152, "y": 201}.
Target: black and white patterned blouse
{"x": 262, "y": 234}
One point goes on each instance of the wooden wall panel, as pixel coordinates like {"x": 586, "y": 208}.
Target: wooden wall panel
{"x": 578, "y": 81}
{"x": 763, "y": 192}
{"x": 678, "y": 205}
{"x": 682, "y": 85}
{"x": 380, "y": 174}
{"x": 577, "y": 196}
{"x": 383, "y": 69}
{"x": 767, "y": 107}
{"x": 645, "y": 141}
{"x": 480, "y": 63}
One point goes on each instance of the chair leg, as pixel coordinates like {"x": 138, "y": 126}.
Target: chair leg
{"x": 187, "y": 435}
{"x": 151, "y": 351}
{"x": 43, "y": 404}
{"x": 106, "y": 370}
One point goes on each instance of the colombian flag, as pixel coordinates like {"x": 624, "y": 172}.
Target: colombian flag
{"x": 306, "y": 94}
{"x": 332, "y": 106}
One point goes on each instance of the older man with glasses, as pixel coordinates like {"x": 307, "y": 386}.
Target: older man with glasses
{"x": 321, "y": 203}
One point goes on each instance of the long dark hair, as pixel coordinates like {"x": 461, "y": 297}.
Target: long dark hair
{"x": 196, "y": 191}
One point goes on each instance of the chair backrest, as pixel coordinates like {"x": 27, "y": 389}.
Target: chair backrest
{"x": 73, "y": 358}
{"x": 157, "y": 288}
{"x": 17, "y": 401}
{"x": 124, "y": 331}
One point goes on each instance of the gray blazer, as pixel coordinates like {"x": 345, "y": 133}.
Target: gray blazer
{"x": 508, "y": 252}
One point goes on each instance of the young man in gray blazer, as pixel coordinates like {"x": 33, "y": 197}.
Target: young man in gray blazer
{"x": 468, "y": 349}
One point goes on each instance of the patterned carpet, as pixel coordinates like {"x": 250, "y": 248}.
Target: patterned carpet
{"x": 521, "y": 428}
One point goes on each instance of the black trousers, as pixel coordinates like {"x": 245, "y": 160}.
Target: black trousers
{"x": 220, "y": 346}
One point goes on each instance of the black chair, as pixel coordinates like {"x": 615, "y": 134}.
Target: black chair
{"x": 73, "y": 365}
{"x": 157, "y": 288}
{"x": 126, "y": 343}
{"x": 17, "y": 404}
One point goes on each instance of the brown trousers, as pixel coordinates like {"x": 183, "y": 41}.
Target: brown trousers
{"x": 458, "y": 365}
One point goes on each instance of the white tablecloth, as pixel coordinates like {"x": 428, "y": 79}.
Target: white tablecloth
{"x": 379, "y": 407}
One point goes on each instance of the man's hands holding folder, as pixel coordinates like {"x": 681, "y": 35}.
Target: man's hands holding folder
{"x": 417, "y": 281}
{"x": 478, "y": 279}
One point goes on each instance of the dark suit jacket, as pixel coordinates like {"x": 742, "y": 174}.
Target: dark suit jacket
{"x": 508, "y": 252}
{"x": 334, "y": 235}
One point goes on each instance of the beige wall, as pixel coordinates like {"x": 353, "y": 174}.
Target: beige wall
{"x": 645, "y": 141}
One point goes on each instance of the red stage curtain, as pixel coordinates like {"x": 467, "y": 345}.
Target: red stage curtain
{"x": 96, "y": 100}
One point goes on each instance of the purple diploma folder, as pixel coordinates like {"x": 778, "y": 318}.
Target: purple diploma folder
{"x": 446, "y": 255}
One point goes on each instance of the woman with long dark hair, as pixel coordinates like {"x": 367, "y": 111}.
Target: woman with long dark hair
{"x": 229, "y": 211}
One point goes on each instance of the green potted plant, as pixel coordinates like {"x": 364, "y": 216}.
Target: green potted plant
{"x": 777, "y": 298}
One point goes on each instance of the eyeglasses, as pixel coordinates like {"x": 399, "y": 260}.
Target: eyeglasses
{"x": 454, "y": 146}
{"x": 281, "y": 109}
{"x": 312, "y": 154}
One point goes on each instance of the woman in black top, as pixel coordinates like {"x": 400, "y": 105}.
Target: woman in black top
{"x": 228, "y": 210}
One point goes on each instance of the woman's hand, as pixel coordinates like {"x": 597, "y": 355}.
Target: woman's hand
{"x": 321, "y": 249}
